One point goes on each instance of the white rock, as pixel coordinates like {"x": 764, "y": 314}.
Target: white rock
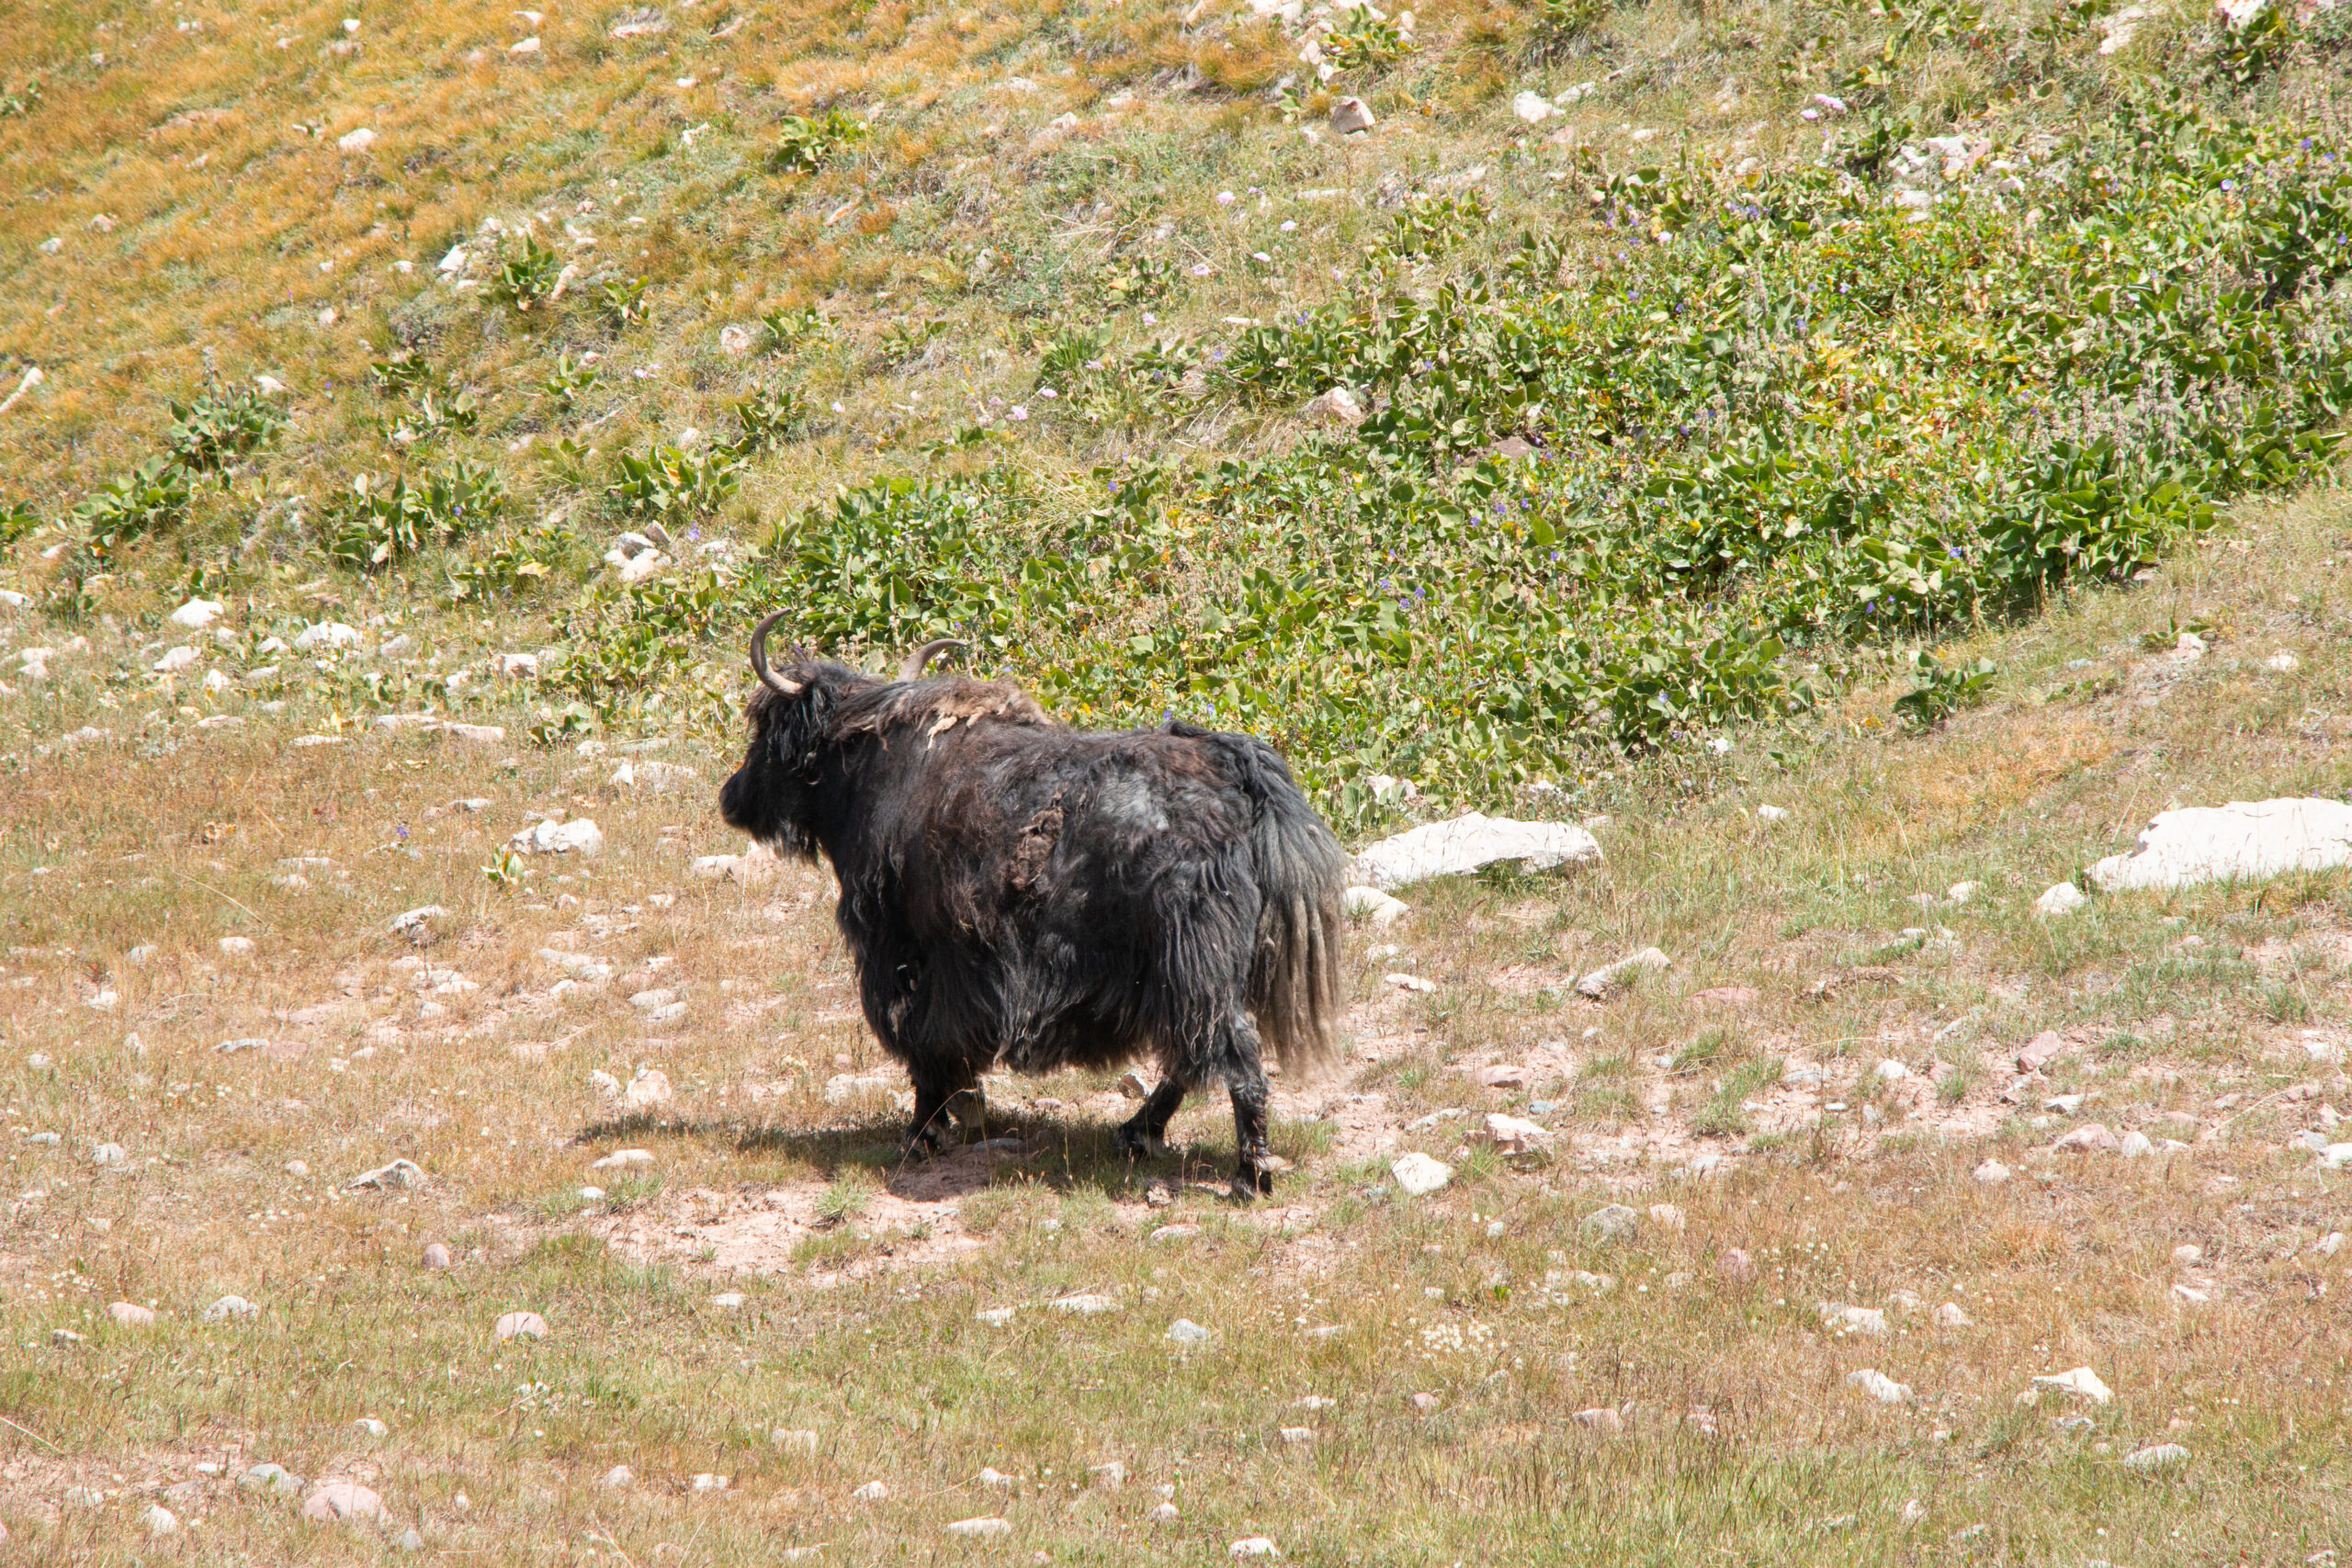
{"x": 2062, "y": 898}
{"x": 1533, "y": 108}
{"x": 1111, "y": 1474}
{"x": 1085, "y": 1305}
{"x": 708, "y": 1482}
{"x": 2091, "y": 1137}
{"x": 337, "y": 1500}
{"x": 197, "y": 613}
{"x": 413, "y": 923}
{"x": 735, "y": 339}
{"x": 1405, "y": 982}
{"x": 1952, "y": 1315}
{"x": 2082, "y": 1383}
{"x": 436, "y": 1257}
{"x": 620, "y": 1159}
{"x": 1184, "y": 1331}
{"x": 159, "y": 1520}
{"x": 326, "y": 634}
{"x": 109, "y": 1154}
{"x": 800, "y": 1440}
{"x": 521, "y": 1325}
{"x": 648, "y": 1088}
{"x": 729, "y": 1301}
{"x": 358, "y": 140}
{"x": 1515, "y": 1135}
{"x": 373, "y": 1427}
{"x": 1992, "y": 1173}
{"x": 1296, "y": 1435}
{"x": 638, "y": 567}
{"x": 995, "y": 1318}
{"x": 130, "y": 1315}
{"x": 402, "y": 1173}
{"x": 1891, "y": 1071}
{"x": 2336, "y": 1157}
{"x": 2135, "y": 1144}
{"x": 1334, "y": 405}
{"x": 987, "y": 1528}
{"x": 176, "y": 659}
{"x": 1258, "y": 1545}
{"x": 527, "y": 46}
{"x": 1609, "y": 979}
{"x": 1419, "y": 1174}
{"x": 2329, "y": 1244}
{"x": 872, "y": 1491}
{"x": 1349, "y": 117}
{"x": 1467, "y": 842}
{"x": 1163, "y": 1513}
{"x": 2163, "y": 1456}
{"x": 1370, "y": 903}
{"x": 476, "y": 734}
{"x": 1771, "y": 814}
{"x": 1856, "y": 1319}
{"x": 1879, "y": 1386}
{"x": 580, "y": 836}
{"x": 229, "y": 1307}
{"x": 274, "y": 1478}
{"x": 2242, "y": 841}
{"x": 619, "y": 1478}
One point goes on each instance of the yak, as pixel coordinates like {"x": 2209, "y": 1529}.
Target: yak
{"x": 1018, "y": 894}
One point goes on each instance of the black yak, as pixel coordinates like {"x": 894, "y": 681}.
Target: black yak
{"x": 1021, "y": 894}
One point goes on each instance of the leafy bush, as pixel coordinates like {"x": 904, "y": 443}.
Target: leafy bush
{"x": 511, "y": 567}
{"x": 1363, "y": 41}
{"x": 568, "y": 383}
{"x": 212, "y": 433}
{"x": 766, "y": 417}
{"x": 379, "y": 522}
{"x": 18, "y": 103}
{"x": 664, "y": 481}
{"x": 804, "y": 145}
{"x": 150, "y": 499}
{"x": 18, "y": 519}
{"x": 528, "y": 276}
{"x": 625, "y": 304}
{"x": 1562, "y": 25}
{"x": 786, "y": 327}
{"x": 399, "y": 373}
{"x": 1943, "y": 692}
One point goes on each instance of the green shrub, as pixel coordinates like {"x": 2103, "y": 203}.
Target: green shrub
{"x": 664, "y": 481}
{"x": 150, "y": 499}
{"x": 210, "y": 434}
{"x": 379, "y": 523}
{"x": 804, "y": 145}
{"x": 529, "y": 276}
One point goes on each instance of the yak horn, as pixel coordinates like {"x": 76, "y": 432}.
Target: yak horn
{"x": 910, "y": 667}
{"x": 769, "y": 678}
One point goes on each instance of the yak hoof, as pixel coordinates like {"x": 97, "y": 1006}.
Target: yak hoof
{"x": 922, "y": 1142}
{"x": 1252, "y": 1182}
{"x": 1134, "y": 1143}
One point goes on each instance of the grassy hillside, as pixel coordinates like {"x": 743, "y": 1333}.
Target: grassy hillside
{"x": 1703, "y": 360}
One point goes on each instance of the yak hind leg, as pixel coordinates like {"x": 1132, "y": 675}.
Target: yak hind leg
{"x": 942, "y": 1102}
{"x": 1145, "y": 1133}
{"x": 1244, "y": 1076}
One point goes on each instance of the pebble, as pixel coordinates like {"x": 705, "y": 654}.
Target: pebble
{"x": 1891, "y": 1071}
{"x": 2081, "y": 1382}
{"x": 728, "y": 1299}
{"x": 1163, "y": 1513}
{"x": 337, "y": 1500}
{"x": 1295, "y": 1435}
{"x": 110, "y": 1155}
{"x": 2090, "y": 1136}
{"x": 271, "y": 1478}
{"x": 131, "y": 1314}
{"x": 65, "y": 1338}
{"x": 1992, "y": 1173}
{"x": 995, "y": 1479}
{"x": 236, "y": 947}
{"x": 300, "y": 1169}
{"x": 1771, "y": 814}
{"x": 707, "y": 1482}
{"x": 401, "y": 1173}
{"x": 436, "y": 1256}
{"x": 522, "y": 1324}
{"x": 988, "y": 1528}
{"x": 230, "y": 1306}
{"x": 2329, "y": 1244}
{"x": 1184, "y": 1331}
{"x": 649, "y": 1088}
{"x": 1111, "y": 1474}
{"x": 1413, "y": 983}
{"x": 2061, "y": 899}
{"x": 1427, "y": 1404}
{"x": 1609, "y": 979}
{"x": 1736, "y": 1266}
{"x": 1615, "y": 1222}
{"x": 1419, "y": 1174}
{"x": 872, "y": 1491}
{"x": 621, "y": 1158}
{"x": 2163, "y": 1456}
{"x": 1349, "y": 118}
{"x": 619, "y": 1478}
{"x": 1085, "y": 1305}
{"x": 792, "y": 1439}
{"x": 1667, "y": 1215}
{"x": 409, "y": 1540}
{"x": 160, "y": 1520}
{"x": 995, "y": 1318}
{"x": 1600, "y": 1418}
{"x": 2135, "y": 1144}
{"x": 1951, "y": 1315}
{"x": 1258, "y": 1545}
{"x": 1879, "y": 1386}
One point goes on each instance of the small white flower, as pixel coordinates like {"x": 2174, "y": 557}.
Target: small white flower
{"x": 1290, "y": 226}
{"x": 1262, "y": 258}
{"x": 1224, "y": 198}
{"x": 1019, "y": 413}
{"x": 1149, "y": 320}
{"x": 1201, "y": 269}
{"x": 838, "y": 408}
{"x": 1048, "y": 392}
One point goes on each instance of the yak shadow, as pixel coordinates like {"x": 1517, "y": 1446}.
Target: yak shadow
{"x": 1004, "y": 1150}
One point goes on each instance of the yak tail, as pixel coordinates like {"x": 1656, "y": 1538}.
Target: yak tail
{"x": 1295, "y": 973}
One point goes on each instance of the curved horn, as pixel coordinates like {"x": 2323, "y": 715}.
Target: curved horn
{"x": 910, "y": 667}
{"x": 769, "y": 678}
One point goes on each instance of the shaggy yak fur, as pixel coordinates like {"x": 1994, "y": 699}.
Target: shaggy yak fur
{"x": 1021, "y": 895}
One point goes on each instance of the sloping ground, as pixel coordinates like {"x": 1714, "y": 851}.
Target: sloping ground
{"x": 1799, "y": 1215}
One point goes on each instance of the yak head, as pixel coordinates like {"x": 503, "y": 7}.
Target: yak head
{"x": 774, "y": 795}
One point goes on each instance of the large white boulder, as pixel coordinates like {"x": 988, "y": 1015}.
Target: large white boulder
{"x": 2242, "y": 841}
{"x": 1466, "y": 843}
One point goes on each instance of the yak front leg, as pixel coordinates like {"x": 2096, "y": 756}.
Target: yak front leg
{"x": 928, "y": 1130}
{"x": 1146, "y": 1132}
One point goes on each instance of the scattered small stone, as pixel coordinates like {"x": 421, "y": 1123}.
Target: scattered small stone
{"x": 1427, "y": 1404}
{"x": 2135, "y": 1144}
{"x": 1514, "y": 1135}
{"x": 2081, "y": 1382}
{"x": 2329, "y": 1244}
{"x": 1296, "y": 1435}
{"x": 799, "y": 1440}
{"x": 729, "y": 1301}
{"x": 1855, "y": 1319}
{"x": 2061, "y": 899}
{"x": 1337, "y": 405}
{"x": 131, "y": 1314}
{"x": 1414, "y": 983}
{"x": 994, "y": 1479}
{"x": 1951, "y": 1315}
{"x": 416, "y": 924}
{"x": 1736, "y": 1266}
{"x": 707, "y": 1482}
{"x": 1769, "y": 813}
{"x": 1914, "y": 1511}
{"x": 1608, "y": 980}
{"x": 648, "y": 1088}
{"x": 2088, "y": 1137}
{"x": 401, "y": 1173}
{"x": 1163, "y": 1513}
{"x": 229, "y": 1307}
{"x": 1258, "y": 1545}
{"x": 1503, "y": 1076}
{"x": 274, "y": 1478}
{"x": 1085, "y": 1305}
{"x": 985, "y": 1528}
{"x": 436, "y": 1257}
{"x": 1350, "y": 116}
{"x": 619, "y": 1478}
{"x": 372, "y": 1427}
{"x": 621, "y": 1158}
{"x": 1615, "y": 1222}
{"x": 338, "y": 1500}
{"x": 521, "y": 1325}
{"x": 1601, "y": 1418}
{"x": 1111, "y": 1474}
{"x": 110, "y": 1155}
{"x": 236, "y": 947}
{"x": 872, "y": 1491}
{"x": 995, "y": 1318}
{"x": 409, "y": 1540}
{"x": 1992, "y": 1173}
{"x": 1184, "y": 1331}
{"x": 1419, "y": 1174}
{"x": 578, "y": 836}
{"x": 160, "y": 1520}
{"x": 2163, "y": 1456}
{"x": 1879, "y": 1386}
{"x": 67, "y": 1339}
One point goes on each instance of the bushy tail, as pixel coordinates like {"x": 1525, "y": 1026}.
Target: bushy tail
{"x": 1295, "y": 973}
